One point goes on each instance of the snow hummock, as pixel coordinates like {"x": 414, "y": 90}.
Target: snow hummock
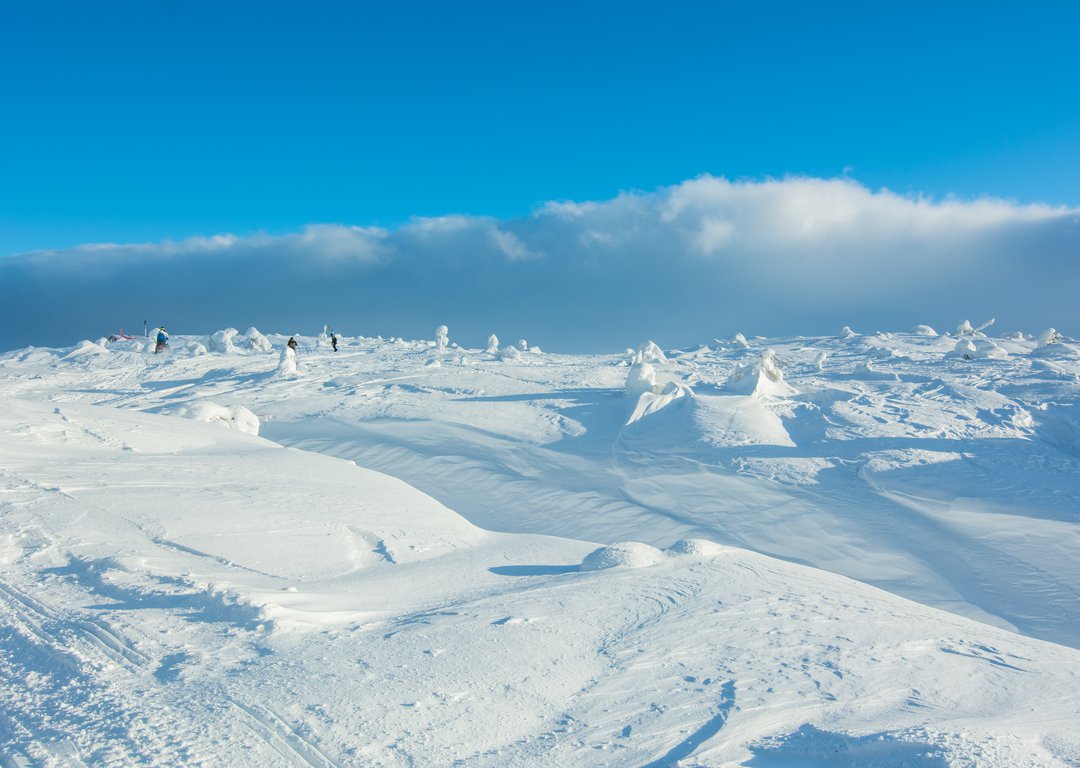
{"x": 627, "y": 554}
{"x": 762, "y": 378}
{"x": 650, "y": 402}
{"x": 442, "y": 338}
{"x": 236, "y": 417}
{"x": 492, "y": 345}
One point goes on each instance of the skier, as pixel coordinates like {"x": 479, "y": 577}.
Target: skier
{"x": 333, "y": 341}
{"x": 292, "y": 344}
{"x": 162, "y": 340}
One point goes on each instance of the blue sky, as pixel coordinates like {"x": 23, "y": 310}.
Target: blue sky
{"x": 146, "y": 121}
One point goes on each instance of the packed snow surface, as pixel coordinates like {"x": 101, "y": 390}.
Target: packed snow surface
{"x": 859, "y": 551}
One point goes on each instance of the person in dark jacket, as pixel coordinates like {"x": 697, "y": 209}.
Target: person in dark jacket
{"x": 333, "y": 340}
{"x": 292, "y": 344}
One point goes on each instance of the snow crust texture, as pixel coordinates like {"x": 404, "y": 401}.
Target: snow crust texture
{"x": 851, "y": 551}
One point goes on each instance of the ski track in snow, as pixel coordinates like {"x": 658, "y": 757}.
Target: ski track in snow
{"x": 178, "y": 593}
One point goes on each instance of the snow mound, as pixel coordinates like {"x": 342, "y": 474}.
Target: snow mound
{"x": 847, "y": 333}
{"x": 194, "y": 349}
{"x": 492, "y": 345}
{"x": 287, "y": 363}
{"x": 238, "y": 417}
{"x": 868, "y": 372}
{"x": 649, "y": 402}
{"x": 924, "y": 330}
{"x": 651, "y": 353}
{"x": 510, "y": 353}
{"x": 1048, "y": 337}
{"x": 975, "y": 349}
{"x": 222, "y": 341}
{"x": 627, "y": 554}
{"x": 696, "y": 548}
{"x": 84, "y": 348}
{"x": 640, "y": 379}
{"x": 256, "y": 341}
{"x": 762, "y": 378}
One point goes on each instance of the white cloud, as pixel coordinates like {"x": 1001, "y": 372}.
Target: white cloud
{"x": 708, "y": 256}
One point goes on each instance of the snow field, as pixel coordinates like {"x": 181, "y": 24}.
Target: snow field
{"x": 176, "y": 592}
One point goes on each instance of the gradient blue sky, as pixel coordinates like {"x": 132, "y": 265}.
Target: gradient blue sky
{"x": 149, "y": 120}
{"x": 143, "y": 121}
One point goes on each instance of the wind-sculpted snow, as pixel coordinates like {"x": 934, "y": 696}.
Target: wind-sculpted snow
{"x": 551, "y": 585}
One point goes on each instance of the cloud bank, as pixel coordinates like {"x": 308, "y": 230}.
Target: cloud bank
{"x": 681, "y": 265}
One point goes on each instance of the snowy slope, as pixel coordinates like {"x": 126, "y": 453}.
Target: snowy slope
{"x": 177, "y": 592}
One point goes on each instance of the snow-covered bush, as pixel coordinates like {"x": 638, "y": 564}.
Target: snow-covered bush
{"x": 523, "y": 345}
{"x": 965, "y": 329}
{"x": 287, "y": 363}
{"x": 963, "y": 349}
{"x": 222, "y": 341}
{"x": 256, "y": 341}
{"x": 1047, "y": 337}
{"x": 194, "y": 348}
{"x": 510, "y": 353}
{"x": 977, "y": 349}
{"x": 492, "y": 345}
{"x": 442, "y": 337}
{"x": 651, "y": 353}
{"x": 763, "y": 378}
{"x": 640, "y": 378}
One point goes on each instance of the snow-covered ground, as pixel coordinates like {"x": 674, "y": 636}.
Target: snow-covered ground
{"x": 850, "y": 551}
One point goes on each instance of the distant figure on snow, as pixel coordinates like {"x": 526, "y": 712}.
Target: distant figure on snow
{"x": 292, "y": 344}
{"x": 333, "y": 341}
{"x": 162, "y": 340}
